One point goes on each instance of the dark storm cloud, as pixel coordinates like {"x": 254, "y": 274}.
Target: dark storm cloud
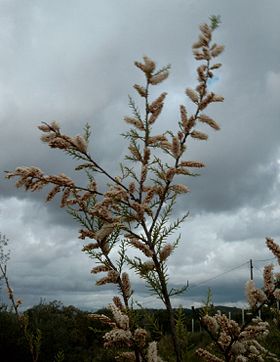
{"x": 97, "y": 72}
{"x": 73, "y": 62}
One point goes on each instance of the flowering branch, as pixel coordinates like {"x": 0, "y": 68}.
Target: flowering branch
{"x": 135, "y": 209}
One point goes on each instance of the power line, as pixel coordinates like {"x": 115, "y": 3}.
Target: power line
{"x": 261, "y": 260}
{"x": 258, "y": 269}
{"x": 249, "y": 262}
{"x": 219, "y": 275}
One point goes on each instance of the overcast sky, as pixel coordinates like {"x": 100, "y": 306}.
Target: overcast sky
{"x": 72, "y": 61}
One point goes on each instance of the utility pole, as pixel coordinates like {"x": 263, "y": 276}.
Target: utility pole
{"x": 251, "y": 270}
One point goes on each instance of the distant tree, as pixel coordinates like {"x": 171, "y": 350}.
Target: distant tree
{"x": 4, "y": 258}
{"x": 13, "y": 347}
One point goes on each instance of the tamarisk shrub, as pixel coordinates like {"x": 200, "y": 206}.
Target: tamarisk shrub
{"x": 136, "y": 208}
